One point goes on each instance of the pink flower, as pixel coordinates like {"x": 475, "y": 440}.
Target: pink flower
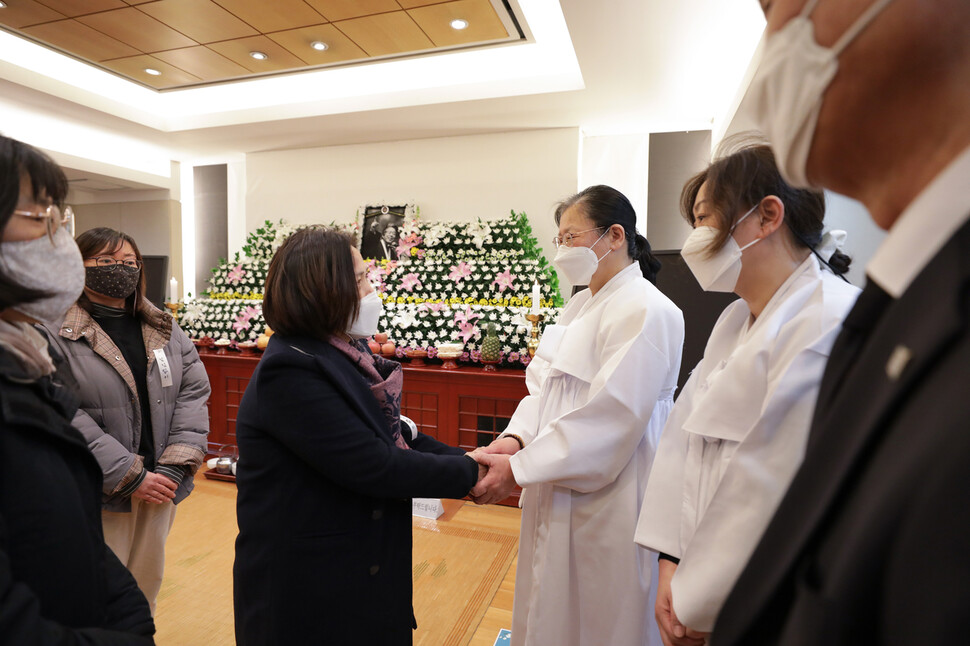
{"x": 243, "y": 319}
{"x": 503, "y": 280}
{"x": 250, "y": 312}
{"x": 526, "y": 359}
{"x": 405, "y": 244}
{"x": 236, "y": 274}
{"x": 475, "y": 355}
{"x": 465, "y": 321}
{"x": 240, "y": 324}
{"x": 467, "y": 331}
{"x": 410, "y": 281}
{"x": 513, "y": 357}
{"x": 460, "y": 272}
{"x": 432, "y": 352}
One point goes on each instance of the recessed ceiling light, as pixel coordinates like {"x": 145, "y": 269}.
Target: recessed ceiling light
{"x": 319, "y": 45}
{"x": 259, "y": 56}
{"x": 152, "y": 71}
{"x": 3, "y": 5}
{"x": 458, "y": 23}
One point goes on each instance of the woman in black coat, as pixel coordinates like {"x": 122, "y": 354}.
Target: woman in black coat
{"x": 59, "y": 582}
{"x": 325, "y": 476}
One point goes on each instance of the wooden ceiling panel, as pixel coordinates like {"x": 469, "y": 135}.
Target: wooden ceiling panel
{"x": 137, "y": 29}
{"x": 410, "y": 4}
{"x": 134, "y": 67}
{"x": 21, "y": 13}
{"x": 209, "y": 41}
{"x": 339, "y": 47}
{"x": 238, "y": 50}
{"x": 80, "y": 40}
{"x": 201, "y": 20}
{"x": 334, "y": 10}
{"x": 202, "y": 62}
{"x": 73, "y": 8}
{"x": 386, "y": 33}
{"x": 273, "y": 16}
{"x": 436, "y": 19}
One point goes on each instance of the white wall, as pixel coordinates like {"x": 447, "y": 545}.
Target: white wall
{"x": 449, "y": 178}
{"x": 863, "y": 238}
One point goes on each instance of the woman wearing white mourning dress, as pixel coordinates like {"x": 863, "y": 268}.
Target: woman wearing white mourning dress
{"x": 581, "y": 444}
{"x": 738, "y": 430}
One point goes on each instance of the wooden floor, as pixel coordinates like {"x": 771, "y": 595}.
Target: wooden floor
{"x": 195, "y": 603}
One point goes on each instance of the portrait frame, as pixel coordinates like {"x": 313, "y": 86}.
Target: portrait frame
{"x": 381, "y": 230}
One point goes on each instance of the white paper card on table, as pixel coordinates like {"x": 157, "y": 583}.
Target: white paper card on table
{"x": 427, "y": 507}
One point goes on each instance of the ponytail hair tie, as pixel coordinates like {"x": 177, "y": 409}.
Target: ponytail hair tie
{"x": 831, "y": 242}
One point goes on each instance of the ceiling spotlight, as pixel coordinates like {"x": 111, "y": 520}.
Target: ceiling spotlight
{"x": 259, "y": 56}
{"x": 152, "y": 71}
{"x": 319, "y": 45}
{"x": 3, "y": 5}
{"x": 458, "y": 23}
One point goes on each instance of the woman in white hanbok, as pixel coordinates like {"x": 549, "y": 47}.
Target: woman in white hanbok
{"x": 738, "y": 430}
{"x": 581, "y": 444}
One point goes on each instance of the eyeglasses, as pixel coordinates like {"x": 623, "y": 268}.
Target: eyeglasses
{"x": 569, "y": 237}
{"x": 108, "y": 261}
{"x": 55, "y": 218}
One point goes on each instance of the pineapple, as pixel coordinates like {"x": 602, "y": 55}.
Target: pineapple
{"x": 491, "y": 346}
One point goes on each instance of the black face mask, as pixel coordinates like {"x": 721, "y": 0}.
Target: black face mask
{"x": 116, "y": 281}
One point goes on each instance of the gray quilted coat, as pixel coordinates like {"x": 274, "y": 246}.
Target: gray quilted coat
{"x": 110, "y": 414}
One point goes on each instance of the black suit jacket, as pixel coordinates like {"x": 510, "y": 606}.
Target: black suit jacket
{"x": 871, "y": 544}
{"x": 323, "y": 554}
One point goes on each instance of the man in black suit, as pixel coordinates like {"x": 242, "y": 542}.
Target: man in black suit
{"x": 871, "y": 544}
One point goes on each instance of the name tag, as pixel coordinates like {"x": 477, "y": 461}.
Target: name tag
{"x": 164, "y": 369}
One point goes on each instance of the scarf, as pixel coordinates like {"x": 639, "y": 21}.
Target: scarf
{"x": 386, "y": 379}
{"x": 28, "y": 346}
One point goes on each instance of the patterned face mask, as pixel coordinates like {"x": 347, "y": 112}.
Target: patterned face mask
{"x": 115, "y": 281}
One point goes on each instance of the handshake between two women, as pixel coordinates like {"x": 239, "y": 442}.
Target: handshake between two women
{"x": 495, "y": 478}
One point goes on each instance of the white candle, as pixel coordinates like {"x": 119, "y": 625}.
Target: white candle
{"x": 173, "y": 293}
{"x": 536, "y": 297}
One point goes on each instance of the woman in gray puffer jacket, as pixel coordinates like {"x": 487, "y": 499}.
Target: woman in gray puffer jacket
{"x": 143, "y": 391}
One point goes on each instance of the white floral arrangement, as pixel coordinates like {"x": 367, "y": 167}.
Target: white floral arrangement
{"x": 451, "y": 280}
{"x": 426, "y": 326}
{"x": 234, "y": 320}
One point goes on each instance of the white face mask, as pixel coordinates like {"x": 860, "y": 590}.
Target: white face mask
{"x": 57, "y": 269}
{"x": 720, "y": 272}
{"x": 371, "y": 308}
{"x": 785, "y": 96}
{"x": 578, "y": 264}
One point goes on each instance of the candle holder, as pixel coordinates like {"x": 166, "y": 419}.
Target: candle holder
{"x": 175, "y": 309}
{"x": 536, "y": 319}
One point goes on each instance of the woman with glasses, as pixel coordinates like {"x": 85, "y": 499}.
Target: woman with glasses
{"x": 581, "y": 444}
{"x": 143, "y": 391}
{"x": 59, "y": 582}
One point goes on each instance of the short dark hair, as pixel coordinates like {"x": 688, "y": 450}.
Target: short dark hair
{"x": 744, "y": 174}
{"x": 102, "y": 239}
{"x": 311, "y": 289}
{"x": 18, "y": 159}
{"x": 606, "y": 206}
